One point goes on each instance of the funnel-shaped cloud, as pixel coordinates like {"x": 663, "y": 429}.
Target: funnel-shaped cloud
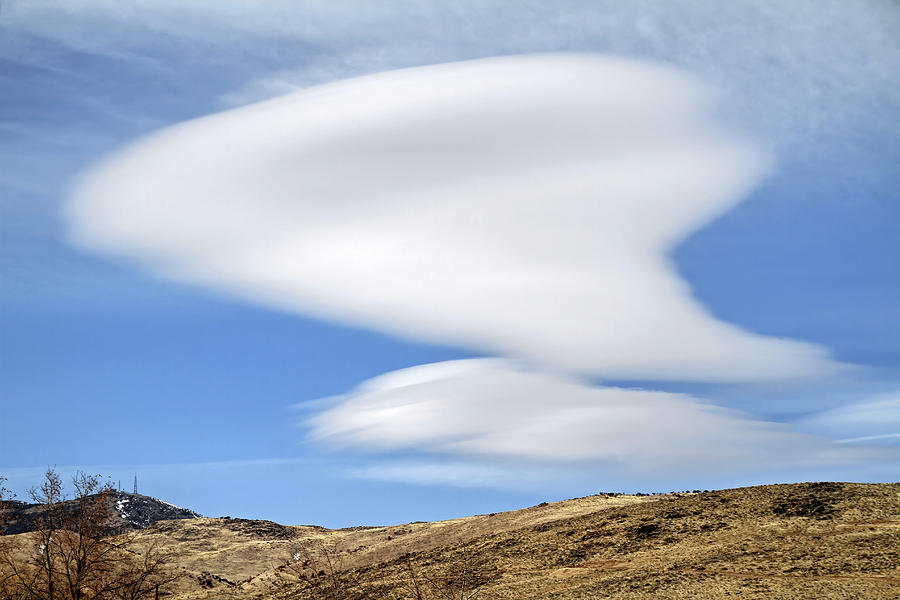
{"x": 522, "y": 205}
{"x": 493, "y": 409}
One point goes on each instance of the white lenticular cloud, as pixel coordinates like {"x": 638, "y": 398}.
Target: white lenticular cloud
{"x": 524, "y": 206}
{"x": 491, "y": 409}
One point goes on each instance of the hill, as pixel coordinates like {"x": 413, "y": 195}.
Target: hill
{"x": 128, "y": 512}
{"x": 814, "y": 540}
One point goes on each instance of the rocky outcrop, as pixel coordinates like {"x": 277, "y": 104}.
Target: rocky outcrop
{"x": 127, "y": 513}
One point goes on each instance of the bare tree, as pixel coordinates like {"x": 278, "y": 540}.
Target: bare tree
{"x": 74, "y": 553}
{"x": 6, "y": 585}
{"x": 4, "y": 496}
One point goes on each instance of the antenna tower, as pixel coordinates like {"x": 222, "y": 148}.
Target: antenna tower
{"x": 135, "y": 483}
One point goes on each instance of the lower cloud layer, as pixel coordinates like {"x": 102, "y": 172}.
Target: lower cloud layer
{"x": 496, "y": 410}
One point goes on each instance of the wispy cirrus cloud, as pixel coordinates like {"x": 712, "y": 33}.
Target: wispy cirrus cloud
{"x": 524, "y": 206}
{"x": 812, "y": 87}
{"x": 872, "y": 420}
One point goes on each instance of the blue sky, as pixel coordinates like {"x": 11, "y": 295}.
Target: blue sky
{"x": 230, "y": 402}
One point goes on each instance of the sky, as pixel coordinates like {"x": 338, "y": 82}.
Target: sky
{"x": 365, "y": 263}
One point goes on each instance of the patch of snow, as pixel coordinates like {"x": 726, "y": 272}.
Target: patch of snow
{"x": 172, "y": 505}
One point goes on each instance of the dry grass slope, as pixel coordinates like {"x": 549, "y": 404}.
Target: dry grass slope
{"x": 817, "y": 540}
{"x": 824, "y": 540}
{"x": 241, "y": 557}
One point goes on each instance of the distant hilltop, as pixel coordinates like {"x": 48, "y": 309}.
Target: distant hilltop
{"x": 127, "y": 513}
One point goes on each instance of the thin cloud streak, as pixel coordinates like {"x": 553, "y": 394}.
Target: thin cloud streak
{"x": 456, "y": 474}
{"x": 875, "y": 418}
{"x": 35, "y": 471}
{"x": 870, "y": 438}
{"x": 522, "y": 206}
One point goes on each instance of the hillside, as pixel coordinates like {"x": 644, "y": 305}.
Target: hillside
{"x": 786, "y": 541}
{"x": 819, "y": 540}
{"x": 243, "y": 555}
{"x": 127, "y": 511}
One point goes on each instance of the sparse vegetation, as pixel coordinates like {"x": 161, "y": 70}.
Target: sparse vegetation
{"x": 823, "y": 541}
{"x": 4, "y": 495}
{"x": 73, "y": 555}
{"x": 317, "y": 570}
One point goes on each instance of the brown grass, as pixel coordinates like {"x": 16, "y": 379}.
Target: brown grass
{"x": 827, "y": 540}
